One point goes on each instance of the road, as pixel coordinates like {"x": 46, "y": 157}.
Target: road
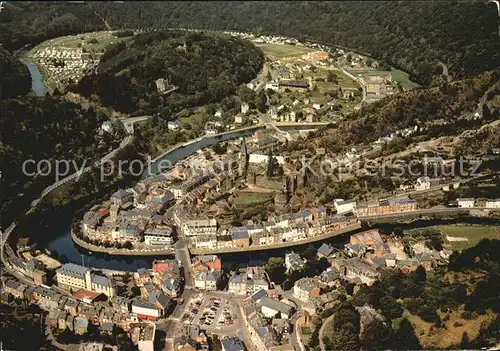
{"x": 322, "y": 331}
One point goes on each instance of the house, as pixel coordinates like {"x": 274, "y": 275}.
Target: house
{"x": 240, "y": 239}
{"x": 244, "y": 108}
{"x": 71, "y": 306}
{"x": 174, "y": 125}
{"x": 238, "y": 284}
{"x": 271, "y": 308}
{"x": 206, "y": 263}
{"x": 122, "y": 198}
{"x": 329, "y": 277}
{"x": 145, "y": 310}
{"x": 208, "y": 242}
{"x": 232, "y": 344}
{"x": 356, "y": 270}
{"x": 163, "y": 302}
{"x": 214, "y": 280}
{"x": 258, "y": 295}
{"x": 293, "y": 262}
{"x": 465, "y": 202}
{"x": 345, "y": 206}
{"x": 200, "y": 227}
{"x": 325, "y": 250}
{"x": 158, "y": 236}
{"x": 14, "y": 288}
{"x": 425, "y": 183}
{"x": 493, "y": 203}
{"x": 80, "y": 325}
{"x": 372, "y": 240}
{"x": 355, "y": 250}
{"x": 238, "y": 119}
{"x": 305, "y": 288}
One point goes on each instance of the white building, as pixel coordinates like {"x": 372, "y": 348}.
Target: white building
{"x": 270, "y": 308}
{"x": 494, "y": 203}
{"x": 345, "y": 206}
{"x": 145, "y": 309}
{"x": 174, "y": 125}
{"x": 158, "y": 236}
{"x": 200, "y": 227}
{"x": 465, "y": 202}
{"x": 208, "y": 242}
{"x": 258, "y": 158}
{"x": 293, "y": 262}
{"x": 244, "y": 108}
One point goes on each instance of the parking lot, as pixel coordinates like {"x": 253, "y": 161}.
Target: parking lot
{"x": 209, "y": 312}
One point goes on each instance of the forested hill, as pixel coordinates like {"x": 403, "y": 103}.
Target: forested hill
{"x": 37, "y": 129}
{"x": 23, "y": 23}
{"x": 203, "y": 68}
{"x": 412, "y": 35}
{"x": 15, "y": 77}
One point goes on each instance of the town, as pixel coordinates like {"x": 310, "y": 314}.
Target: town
{"x": 272, "y": 193}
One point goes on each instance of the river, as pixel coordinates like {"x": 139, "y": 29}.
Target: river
{"x": 37, "y": 83}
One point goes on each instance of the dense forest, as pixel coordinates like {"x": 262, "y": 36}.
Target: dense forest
{"x": 23, "y": 23}
{"x": 411, "y": 35}
{"x": 15, "y": 77}
{"x": 40, "y": 129}
{"x": 202, "y": 68}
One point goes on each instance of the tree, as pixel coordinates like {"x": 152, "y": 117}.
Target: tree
{"x": 404, "y": 337}
{"x": 390, "y": 308}
{"x": 272, "y": 165}
{"x": 331, "y": 77}
{"x": 464, "y": 344}
{"x": 375, "y": 336}
{"x": 275, "y": 268}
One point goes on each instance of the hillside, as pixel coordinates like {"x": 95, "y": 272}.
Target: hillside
{"x": 409, "y": 34}
{"x": 15, "y": 77}
{"x": 203, "y": 68}
{"x": 421, "y": 107}
{"x": 40, "y": 129}
{"x": 33, "y": 22}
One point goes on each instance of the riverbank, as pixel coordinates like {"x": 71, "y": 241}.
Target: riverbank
{"x": 38, "y": 79}
{"x": 121, "y": 252}
{"x": 314, "y": 239}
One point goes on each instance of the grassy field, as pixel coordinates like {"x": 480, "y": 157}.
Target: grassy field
{"x": 277, "y": 51}
{"x": 248, "y": 199}
{"x": 399, "y": 76}
{"x": 403, "y": 79}
{"x": 451, "y": 335}
{"x": 472, "y": 232}
{"x": 104, "y": 39}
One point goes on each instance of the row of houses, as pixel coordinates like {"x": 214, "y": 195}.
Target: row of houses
{"x": 478, "y": 203}
{"x": 206, "y": 234}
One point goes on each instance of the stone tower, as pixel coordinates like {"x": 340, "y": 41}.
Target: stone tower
{"x": 243, "y": 159}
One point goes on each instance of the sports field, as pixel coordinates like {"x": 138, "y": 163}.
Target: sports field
{"x": 277, "y": 51}
{"x": 474, "y": 233}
